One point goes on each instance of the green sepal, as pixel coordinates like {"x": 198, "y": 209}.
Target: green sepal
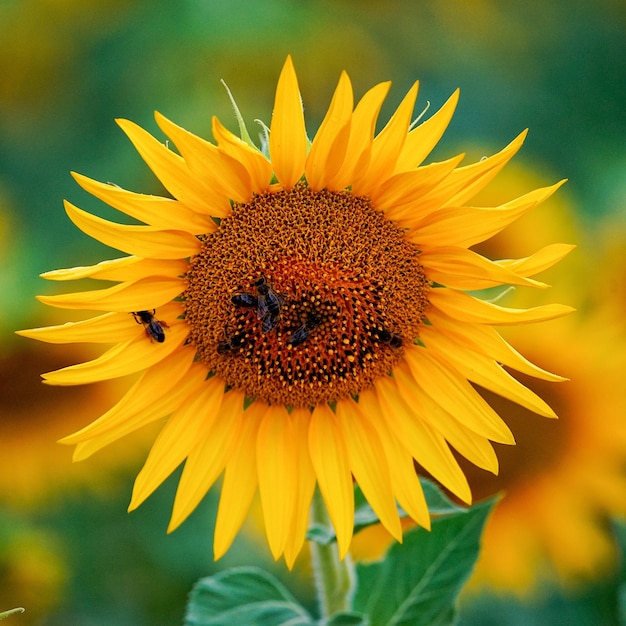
{"x": 243, "y": 595}
{"x": 418, "y": 582}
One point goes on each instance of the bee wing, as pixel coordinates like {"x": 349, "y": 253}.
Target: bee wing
{"x": 269, "y": 321}
{"x": 262, "y": 308}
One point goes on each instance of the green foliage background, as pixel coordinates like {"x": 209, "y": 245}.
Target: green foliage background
{"x": 68, "y": 68}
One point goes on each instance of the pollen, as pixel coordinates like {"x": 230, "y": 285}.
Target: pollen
{"x": 303, "y": 297}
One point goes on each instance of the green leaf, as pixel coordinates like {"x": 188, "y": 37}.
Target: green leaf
{"x": 364, "y": 516}
{"x": 417, "y": 583}
{"x": 243, "y": 595}
{"x": 346, "y": 619}
{"x": 19, "y": 609}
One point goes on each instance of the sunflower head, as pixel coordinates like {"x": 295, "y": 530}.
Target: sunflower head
{"x": 305, "y": 315}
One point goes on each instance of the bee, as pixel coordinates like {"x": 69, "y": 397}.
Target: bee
{"x": 269, "y": 304}
{"x": 229, "y": 343}
{"x": 385, "y": 336}
{"x": 153, "y": 327}
{"x": 303, "y": 332}
{"x": 245, "y": 299}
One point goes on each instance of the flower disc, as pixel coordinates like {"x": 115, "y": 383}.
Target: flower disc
{"x": 347, "y": 289}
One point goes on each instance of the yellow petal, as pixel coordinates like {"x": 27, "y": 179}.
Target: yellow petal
{"x": 207, "y": 459}
{"x": 466, "y": 308}
{"x": 216, "y": 170}
{"x": 422, "y": 139}
{"x": 362, "y": 128}
{"x": 406, "y": 187}
{"x": 454, "y": 430}
{"x": 107, "y": 328}
{"x": 121, "y": 423}
{"x": 254, "y": 161}
{"x": 174, "y": 173}
{"x": 152, "y": 390}
{"x": 125, "y": 358}
{"x": 387, "y": 146}
{"x": 455, "y": 394}
{"x": 330, "y": 460}
{"x": 191, "y": 423}
{"x": 538, "y": 262}
{"x": 126, "y": 269}
{"x": 421, "y": 441}
{"x": 288, "y": 139}
{"x": 406, "y": 485}
{"x": 486, "y": 340}
{"x": 363, "y": 446}
{"x": 143, "y": 241}
{"x": 463, "y": 269}
{"x": 467, "y": 226}
{"x": 240, "y": 481}
{"x": 141, "y": 295}
{"x": 331, "y": 140}
{"x": 163, "y": 213}
{"x": 305, "y": 476}
{"x": 485, "y": 372}
{"x": 278, "y": 480}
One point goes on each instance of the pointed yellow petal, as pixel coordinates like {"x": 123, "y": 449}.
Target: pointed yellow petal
{"x": 421, "y": 441}
{"x": 330, "y": 460}
{"x": 484, "y": 372}
{"x": 240, "y": 481}
{"x": 143, "y": 241}
{"x": 467, "y": 226}
{"x": 253, "y": 160}
{"x": 163, "y": 213}
{"x": 362, "y": 128}
{"x": 278, "y": 480}
{"x": 538, "y": 262}
{"x": 466, "y": 308}
{"x": 405, "y": 188}
{"x": 363, "y": 446}
{"x": 126, "y": 269}
{"x": 141, "y": 295}
{"x": 216, "y": 170}
{"x": 455, "y": 394}
{"x": 107, "y": 328}
{"x": 174, "y": 173}
{"x": 463, "y": 269}
{"x": 473, "y": 446}
{"x": 465, "y": 182}
{"x": 406, "y": 485}
{"x": 125, "y": 358}
{"x": 306, "y": 485}
{"x": 207, "y": 459}
{"x": 123, "y": 422}
{"x": 190, "y": 424}
{"x": 153, "y": 389}
{"x": 422, "y": 139}
{"x": 387, "y": 146}
{"x": 486, "y": 340}
{"x": 331, "y": 140}
{"x": 288, "y": 139}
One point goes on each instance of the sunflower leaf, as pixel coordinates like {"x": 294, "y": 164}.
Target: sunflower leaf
{"x": 418, "y": 582}
{"x": 346, "y": 619}
{"x": 243, "y": 595}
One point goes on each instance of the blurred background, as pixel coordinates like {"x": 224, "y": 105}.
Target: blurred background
{"x": 553, "y": 550}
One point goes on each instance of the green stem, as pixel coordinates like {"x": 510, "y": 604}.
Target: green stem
{"x": 334, "y": 578}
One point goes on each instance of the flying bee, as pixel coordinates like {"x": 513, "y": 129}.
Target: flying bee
{"x": 303, "y": 332}
{"x": 152, "y": 326}
{"x": 385, "y": 336}
{"x": 269, "y": 304}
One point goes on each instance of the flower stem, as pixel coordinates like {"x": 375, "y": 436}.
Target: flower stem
{"x": 334, "y": 578}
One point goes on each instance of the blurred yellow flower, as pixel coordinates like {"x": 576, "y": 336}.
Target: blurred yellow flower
{"x": 276, "y": 293}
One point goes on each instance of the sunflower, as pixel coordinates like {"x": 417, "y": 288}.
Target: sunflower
{"x": 301, "y": 314}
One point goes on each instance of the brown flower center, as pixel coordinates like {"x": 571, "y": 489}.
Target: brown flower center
{"x": 302, "y": 297}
